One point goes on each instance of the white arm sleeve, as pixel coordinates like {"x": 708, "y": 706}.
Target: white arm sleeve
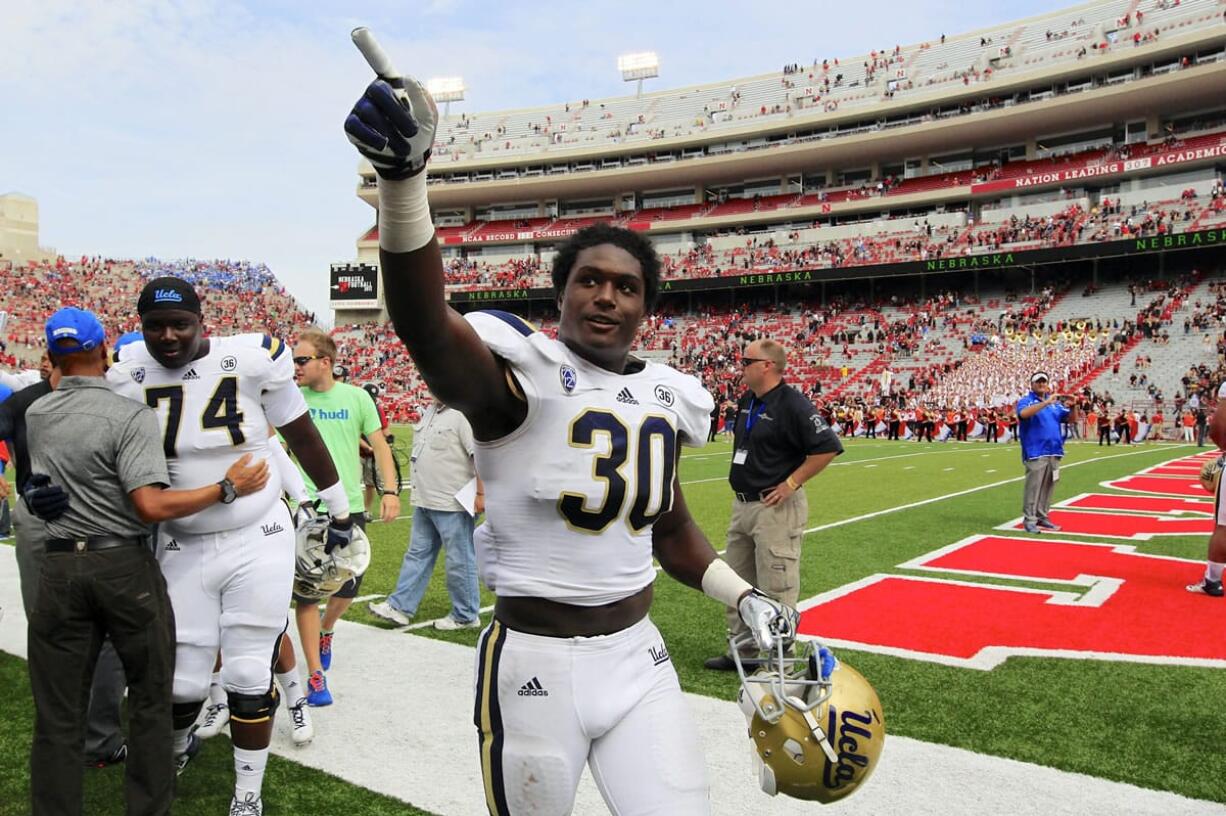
{"x": 291, "y": 478}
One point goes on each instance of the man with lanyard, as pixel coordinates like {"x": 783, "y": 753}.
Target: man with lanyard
{"x": 780, "y": 443}
{"x": 1039, "y": 416}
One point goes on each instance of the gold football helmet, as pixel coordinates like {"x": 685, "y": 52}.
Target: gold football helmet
{"x": 1211, "y": 474}
{"x": 815, "y": 722}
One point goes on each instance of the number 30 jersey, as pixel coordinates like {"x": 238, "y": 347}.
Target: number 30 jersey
{"x": 571, "y": 495}
{"x": 212, "y": 411}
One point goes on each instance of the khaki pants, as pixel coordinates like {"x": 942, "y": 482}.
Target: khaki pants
{"x": 763, "y": 547}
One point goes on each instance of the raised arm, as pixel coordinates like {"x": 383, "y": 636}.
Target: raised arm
{"x": 393, "y": 127}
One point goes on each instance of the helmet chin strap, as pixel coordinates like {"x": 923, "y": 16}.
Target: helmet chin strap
{"x": 819, "y": 734}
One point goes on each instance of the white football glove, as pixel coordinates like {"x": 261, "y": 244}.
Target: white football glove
{"x": 768, "y": 620}
{"x": 393, "y": 126}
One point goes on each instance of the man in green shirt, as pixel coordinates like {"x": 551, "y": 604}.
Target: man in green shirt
{"x": 343, "y": 414}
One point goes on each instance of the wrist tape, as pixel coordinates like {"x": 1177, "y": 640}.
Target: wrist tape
{"x": 723, "y": 584}
{"x": 404, "y": 214}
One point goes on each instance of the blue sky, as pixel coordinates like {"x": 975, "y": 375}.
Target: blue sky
{"x": 210, "y": 128}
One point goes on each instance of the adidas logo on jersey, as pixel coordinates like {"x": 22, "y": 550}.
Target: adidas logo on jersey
{"x": 272, "y": 529}
{"x": 191, "y": 375}
{"x": 171, "y": 546}
{"x": 626, "y": 397}
{"x": 532, "y": 689}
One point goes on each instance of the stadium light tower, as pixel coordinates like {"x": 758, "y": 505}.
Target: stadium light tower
{"x": 446, "y": 90}
{"x": 637, "y": 67}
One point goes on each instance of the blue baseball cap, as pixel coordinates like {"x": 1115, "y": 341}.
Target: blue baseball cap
{"x": 71, "y": 330}
{"x": 130, "y": 337}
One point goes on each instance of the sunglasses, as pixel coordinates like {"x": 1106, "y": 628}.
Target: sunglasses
{"x": 746, "y": 362}
{"x": 301, "y": 361}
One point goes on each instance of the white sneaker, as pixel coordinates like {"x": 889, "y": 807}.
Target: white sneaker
{"x": 450, "y": 624}
{"x": 300, "y": 716}
{"x": 215, "y": 718}
{"x": 385, "y": 610}
{"x": 249, "y": 805}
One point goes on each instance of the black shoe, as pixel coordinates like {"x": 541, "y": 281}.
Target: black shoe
{"x": 1207, "y": 587}
{"x": 725, "y": 663}
{"x": 114, "y": 758}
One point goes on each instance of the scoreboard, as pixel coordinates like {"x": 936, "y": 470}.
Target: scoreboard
{"x": 354, "y": 286}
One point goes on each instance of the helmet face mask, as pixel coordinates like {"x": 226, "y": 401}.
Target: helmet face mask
{"x": 818, "y": 730}
{"x": 318, "y": 575}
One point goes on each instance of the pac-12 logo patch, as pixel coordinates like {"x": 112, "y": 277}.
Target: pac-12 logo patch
{"x": 138, "y": 374}
{"x": 664, "y": 396}
{"x": 228, "y": 363}
{"x": 570, "y": 379}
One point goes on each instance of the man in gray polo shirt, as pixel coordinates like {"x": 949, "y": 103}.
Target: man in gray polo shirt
{"x": 442, "y": 465}
{"x": 98, "y": 477}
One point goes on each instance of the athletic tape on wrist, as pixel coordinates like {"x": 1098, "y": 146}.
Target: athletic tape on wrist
{"x": 404, "y": 214}
{"x": 723, "y": 584}
{"x": 336, "y": 500}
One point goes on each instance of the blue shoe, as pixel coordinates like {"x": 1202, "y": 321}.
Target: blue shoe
{"x": 1031, "y": 528}
{"x": 317, "y": 690}
{"x": 1047, "y": 525}
{"x": 325, "y": 650}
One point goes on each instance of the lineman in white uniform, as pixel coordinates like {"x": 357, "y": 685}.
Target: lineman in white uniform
{"x": 229, "y": 568}
{"x": 577, "y": 443}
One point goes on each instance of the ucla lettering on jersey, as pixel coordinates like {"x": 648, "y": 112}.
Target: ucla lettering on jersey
{"x": 571, "y": 494}
{"x": 212, "y": 411}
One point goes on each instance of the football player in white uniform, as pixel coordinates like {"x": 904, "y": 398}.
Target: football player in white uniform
{"x": 230, "y": 568}
{"x": 1215, "y": 562}
{"x": 577, "y": 442}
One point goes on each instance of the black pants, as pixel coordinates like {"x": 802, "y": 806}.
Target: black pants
{"x": 962, "y": 430}
{"x": 893, "y": 431}
{"x": 992, "y": 430}
{"x": 1125, "y": 432}
{"x": 82, "y": 599}
{"x": 870, "y": 429}
{"x": 1104, "y": 432}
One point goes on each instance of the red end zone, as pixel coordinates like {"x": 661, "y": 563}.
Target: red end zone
{"x": 1116, "y": 525}
{"x": 1139, "y": 504}
{"x": 1119, "y": 605}
{"x": 1114, "y": 603}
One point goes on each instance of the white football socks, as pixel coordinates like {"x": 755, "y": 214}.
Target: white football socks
{"x": 249, "y": 771}
{"x": 1213, "y": 572}
{"x": 217, "y": 694}
{"x": 291, "y": 685}
{"x": 182, "y": 737}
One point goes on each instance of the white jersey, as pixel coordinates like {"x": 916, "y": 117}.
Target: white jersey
{"x": 212, "y": 411}
{"x": 571, "y": 495}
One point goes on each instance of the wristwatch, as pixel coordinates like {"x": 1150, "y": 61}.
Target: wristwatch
{"x": 228, "y": 493}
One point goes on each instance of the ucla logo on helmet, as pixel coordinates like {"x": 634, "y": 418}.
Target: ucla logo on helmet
{"x": 167, "y": 296}
{"x": 569, "y": 377}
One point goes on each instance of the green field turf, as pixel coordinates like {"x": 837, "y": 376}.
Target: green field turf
{"x": 1155, "y": 726}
